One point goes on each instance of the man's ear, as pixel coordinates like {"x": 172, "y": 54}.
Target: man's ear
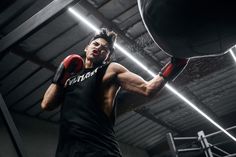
{"x": 108, "y": 58}
{"x": 85, "y": 49}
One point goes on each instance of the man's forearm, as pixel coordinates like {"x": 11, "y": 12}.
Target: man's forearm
{"x": 155, "y": 85}
{"x": 52, "y": 97}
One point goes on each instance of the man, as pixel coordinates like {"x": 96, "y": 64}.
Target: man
{"x": 87, "y": 90}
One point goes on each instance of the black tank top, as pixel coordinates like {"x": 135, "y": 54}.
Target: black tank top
{"x": 82, "y": 117}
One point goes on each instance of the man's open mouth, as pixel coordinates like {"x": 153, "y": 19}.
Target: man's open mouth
{"x": 95, "y": 52}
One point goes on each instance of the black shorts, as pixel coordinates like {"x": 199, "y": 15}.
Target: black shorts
{"x": 74, "y": 148}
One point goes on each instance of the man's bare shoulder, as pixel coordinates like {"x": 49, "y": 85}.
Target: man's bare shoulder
{"x": 113, "y": 70}
{"x": 116, "y": 67}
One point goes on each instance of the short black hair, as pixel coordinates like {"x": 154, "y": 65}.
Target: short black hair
{"x": 109, "y": 36}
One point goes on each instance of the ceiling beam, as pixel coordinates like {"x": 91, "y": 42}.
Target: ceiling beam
{"x": 45, "y": 64}
{"x": 146, "y": 113}
{"x": 200, "y": 104}
{"x": 45, "y": 14}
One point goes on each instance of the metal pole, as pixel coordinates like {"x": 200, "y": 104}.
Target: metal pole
{"x": 171, "y": 144}
{"x": 14, "y": 134}
{"x": 205, "y": 144}
{"x": 223, "y": 142}
{"x": 218, "y": 132}
{"x": 217, "y": 155}
{"x": 219, "y": 149}
{"x": 188, "y": 150}
{"x": 231, "y": 155}
{"x": 185, "y": 138}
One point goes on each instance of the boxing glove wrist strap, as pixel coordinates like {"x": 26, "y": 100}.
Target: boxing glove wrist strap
{"x": 173, "y": 68}
{"x": 58, "y": 76}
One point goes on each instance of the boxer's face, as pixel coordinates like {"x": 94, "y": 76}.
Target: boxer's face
{"x": 97, "y": 51}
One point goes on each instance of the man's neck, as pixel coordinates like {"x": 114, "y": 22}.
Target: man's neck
{"x": 91, "y": 64}
{"x": 88, "y": 64}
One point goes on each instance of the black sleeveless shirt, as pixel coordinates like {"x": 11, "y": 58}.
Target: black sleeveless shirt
{"x": 82, "y": 117}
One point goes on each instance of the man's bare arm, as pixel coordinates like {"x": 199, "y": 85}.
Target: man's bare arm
{"x": 54, "y": 94}
{"x": 52, "y": 98}
{"x": 134, "y": 83}
{"x": 137, "y": 84}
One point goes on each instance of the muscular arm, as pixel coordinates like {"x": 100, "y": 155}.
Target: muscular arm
{"x": 55, "y": 92}
{"x": 52, "y": 98}
{"x": 134, "y": 83}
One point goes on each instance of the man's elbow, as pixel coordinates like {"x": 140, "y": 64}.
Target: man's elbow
{"x": 149, "y": 93}
{"x": 47, "y": 106}
{"x": 44, "y": 105}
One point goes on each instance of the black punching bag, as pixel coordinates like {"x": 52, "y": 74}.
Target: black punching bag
{"x": 190, "y": 28}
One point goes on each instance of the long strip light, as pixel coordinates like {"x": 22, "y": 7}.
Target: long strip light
{"x": 121, "y": 49}
{"x": 232, "y": 54}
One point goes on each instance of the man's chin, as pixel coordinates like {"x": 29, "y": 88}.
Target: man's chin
{"x": 95, "y": 61}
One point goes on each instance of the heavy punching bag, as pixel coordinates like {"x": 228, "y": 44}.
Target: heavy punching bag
{"x": 190, "y": 28}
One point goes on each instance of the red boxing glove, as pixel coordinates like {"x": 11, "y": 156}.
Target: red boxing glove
{"x": 68, "y": 67}
{"x": 172, "y": 69}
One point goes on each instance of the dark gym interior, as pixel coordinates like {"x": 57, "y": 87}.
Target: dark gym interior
{"x": 35, "y": 36}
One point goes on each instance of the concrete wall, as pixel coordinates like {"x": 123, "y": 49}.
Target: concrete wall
{"x": 40, "y": 139}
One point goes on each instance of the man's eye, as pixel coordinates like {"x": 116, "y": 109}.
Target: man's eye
{"x": 104, "y": 50}
{"x": 95, "y": 43}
